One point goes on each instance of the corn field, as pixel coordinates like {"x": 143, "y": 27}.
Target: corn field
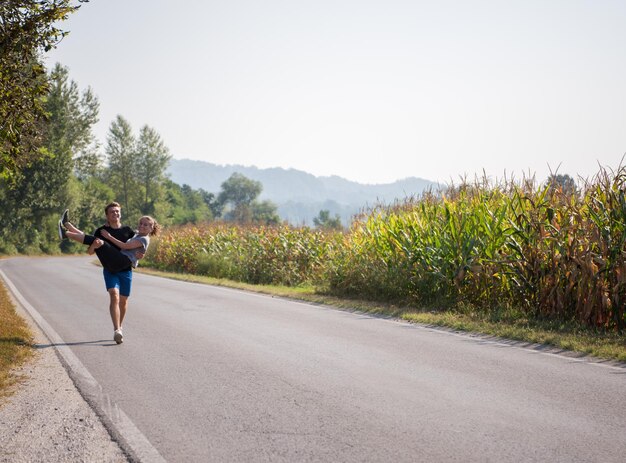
{"x": 280, "y": 255}
{"x": 538, "y": 249}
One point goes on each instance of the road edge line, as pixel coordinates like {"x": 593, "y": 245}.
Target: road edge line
{"x": 122, "y": 429}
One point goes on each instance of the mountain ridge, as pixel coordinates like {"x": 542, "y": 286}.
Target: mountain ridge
{"x": 299, "y": 195}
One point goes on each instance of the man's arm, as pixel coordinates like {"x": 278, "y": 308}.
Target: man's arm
{"x": 130, "y": 233}
{"x": 120, "y": 244}
{"x": 95, "y": 245}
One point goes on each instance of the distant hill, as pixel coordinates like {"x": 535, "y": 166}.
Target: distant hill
{"x": 298, "y": 195}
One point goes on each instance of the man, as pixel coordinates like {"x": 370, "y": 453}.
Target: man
{"x": 118, "y": 284}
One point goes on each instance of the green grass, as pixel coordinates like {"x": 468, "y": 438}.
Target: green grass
{"x": 15, "y": 344}
{"x": 508, "y": 325}
{"x": 572, "y": 337}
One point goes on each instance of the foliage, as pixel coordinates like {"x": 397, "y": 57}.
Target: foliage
{"x": 239, "y": 190}
{"x": 69, "y": 136}
{"x": 239, "y": 195}
{"x": 71, "y": 174}
{"x": 324, "y": 221}
{"x": 564, "y": 183}
{"x": 546, "y": 252}
{"x": 184, "y": 205}
{"x": 45, "y": 186}
{"x": 264, "y": 212}
{"x": 122, "y": 172}
{"x": 72, "y": 114}
{"x": 152, "y": 160}
{"x": 537, "y": 251}
{"x": 136, "y": 171}
{"x": 252, "y": 254}
{"x": 27, "y": 28}
{"x": 210, "y": 200}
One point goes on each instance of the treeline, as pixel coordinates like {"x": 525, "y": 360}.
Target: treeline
{"x": 50, "y": 159}
{"x": 76, "y": 172}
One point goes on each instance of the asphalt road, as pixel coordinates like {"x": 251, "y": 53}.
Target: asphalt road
{"x": 213, "y": 374}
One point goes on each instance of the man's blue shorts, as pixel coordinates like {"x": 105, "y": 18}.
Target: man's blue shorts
{"x": 121, "y": 280}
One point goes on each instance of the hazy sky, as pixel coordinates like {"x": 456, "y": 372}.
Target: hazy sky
{"x": 373, "y": 91}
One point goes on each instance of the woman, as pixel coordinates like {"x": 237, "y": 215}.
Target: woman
{"x": 118, "y": 248}
{"x": 113, "y": 259}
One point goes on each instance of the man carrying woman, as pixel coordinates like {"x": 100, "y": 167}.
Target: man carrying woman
{"x": 119, "y": 248}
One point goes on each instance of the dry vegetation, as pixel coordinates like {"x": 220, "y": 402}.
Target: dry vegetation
{"x": 15, "y": 343}
{"x": 515, "y": 259}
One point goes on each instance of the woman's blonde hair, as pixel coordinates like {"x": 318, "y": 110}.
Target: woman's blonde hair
{"x": 156, "y": 228}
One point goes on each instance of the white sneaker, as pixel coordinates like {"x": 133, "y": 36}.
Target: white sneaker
{"x": 118, "y": 337}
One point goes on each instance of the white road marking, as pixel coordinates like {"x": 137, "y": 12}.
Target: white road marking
{"x": 130, "y": 438}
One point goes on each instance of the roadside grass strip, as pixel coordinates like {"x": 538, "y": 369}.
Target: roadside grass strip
{"x": 16, "y": 344}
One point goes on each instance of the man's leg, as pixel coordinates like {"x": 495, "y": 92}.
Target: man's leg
{"x": 126, "y": 282}
{"x": 115, "y": 287}
{"x": 122, "y": 305}
{"x": 114, "y": 307}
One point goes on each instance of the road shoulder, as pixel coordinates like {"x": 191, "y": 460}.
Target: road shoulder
{"x": 47, "y": 419}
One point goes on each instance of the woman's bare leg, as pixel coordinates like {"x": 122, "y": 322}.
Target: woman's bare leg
{"x": 72, "y": 228}
{"x": 77, "y": 236}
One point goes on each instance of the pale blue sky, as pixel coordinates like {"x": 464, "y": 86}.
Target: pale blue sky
{"x": 373, "y": 91}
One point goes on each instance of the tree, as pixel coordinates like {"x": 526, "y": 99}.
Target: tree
{"x": 27, "y": 28}
{"x": 69, "y": 135}
{"x": 239, "y": 189}
{"x": 72, "y": 116}
{"x": 122, "y": 166}
{"x": 152, "y": 160}
{"x": 184, "y": 205}
{"x": 47, "y": 184}
{"x": 563, "y": 183}
{"x": 212, "y": 203}
{"x": 265, "y": 212}
{"x": 324, "y": 221}
{"x": 239, "y": 192}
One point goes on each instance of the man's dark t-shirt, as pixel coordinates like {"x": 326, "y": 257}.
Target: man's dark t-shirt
{"x": 114, "y": 261}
